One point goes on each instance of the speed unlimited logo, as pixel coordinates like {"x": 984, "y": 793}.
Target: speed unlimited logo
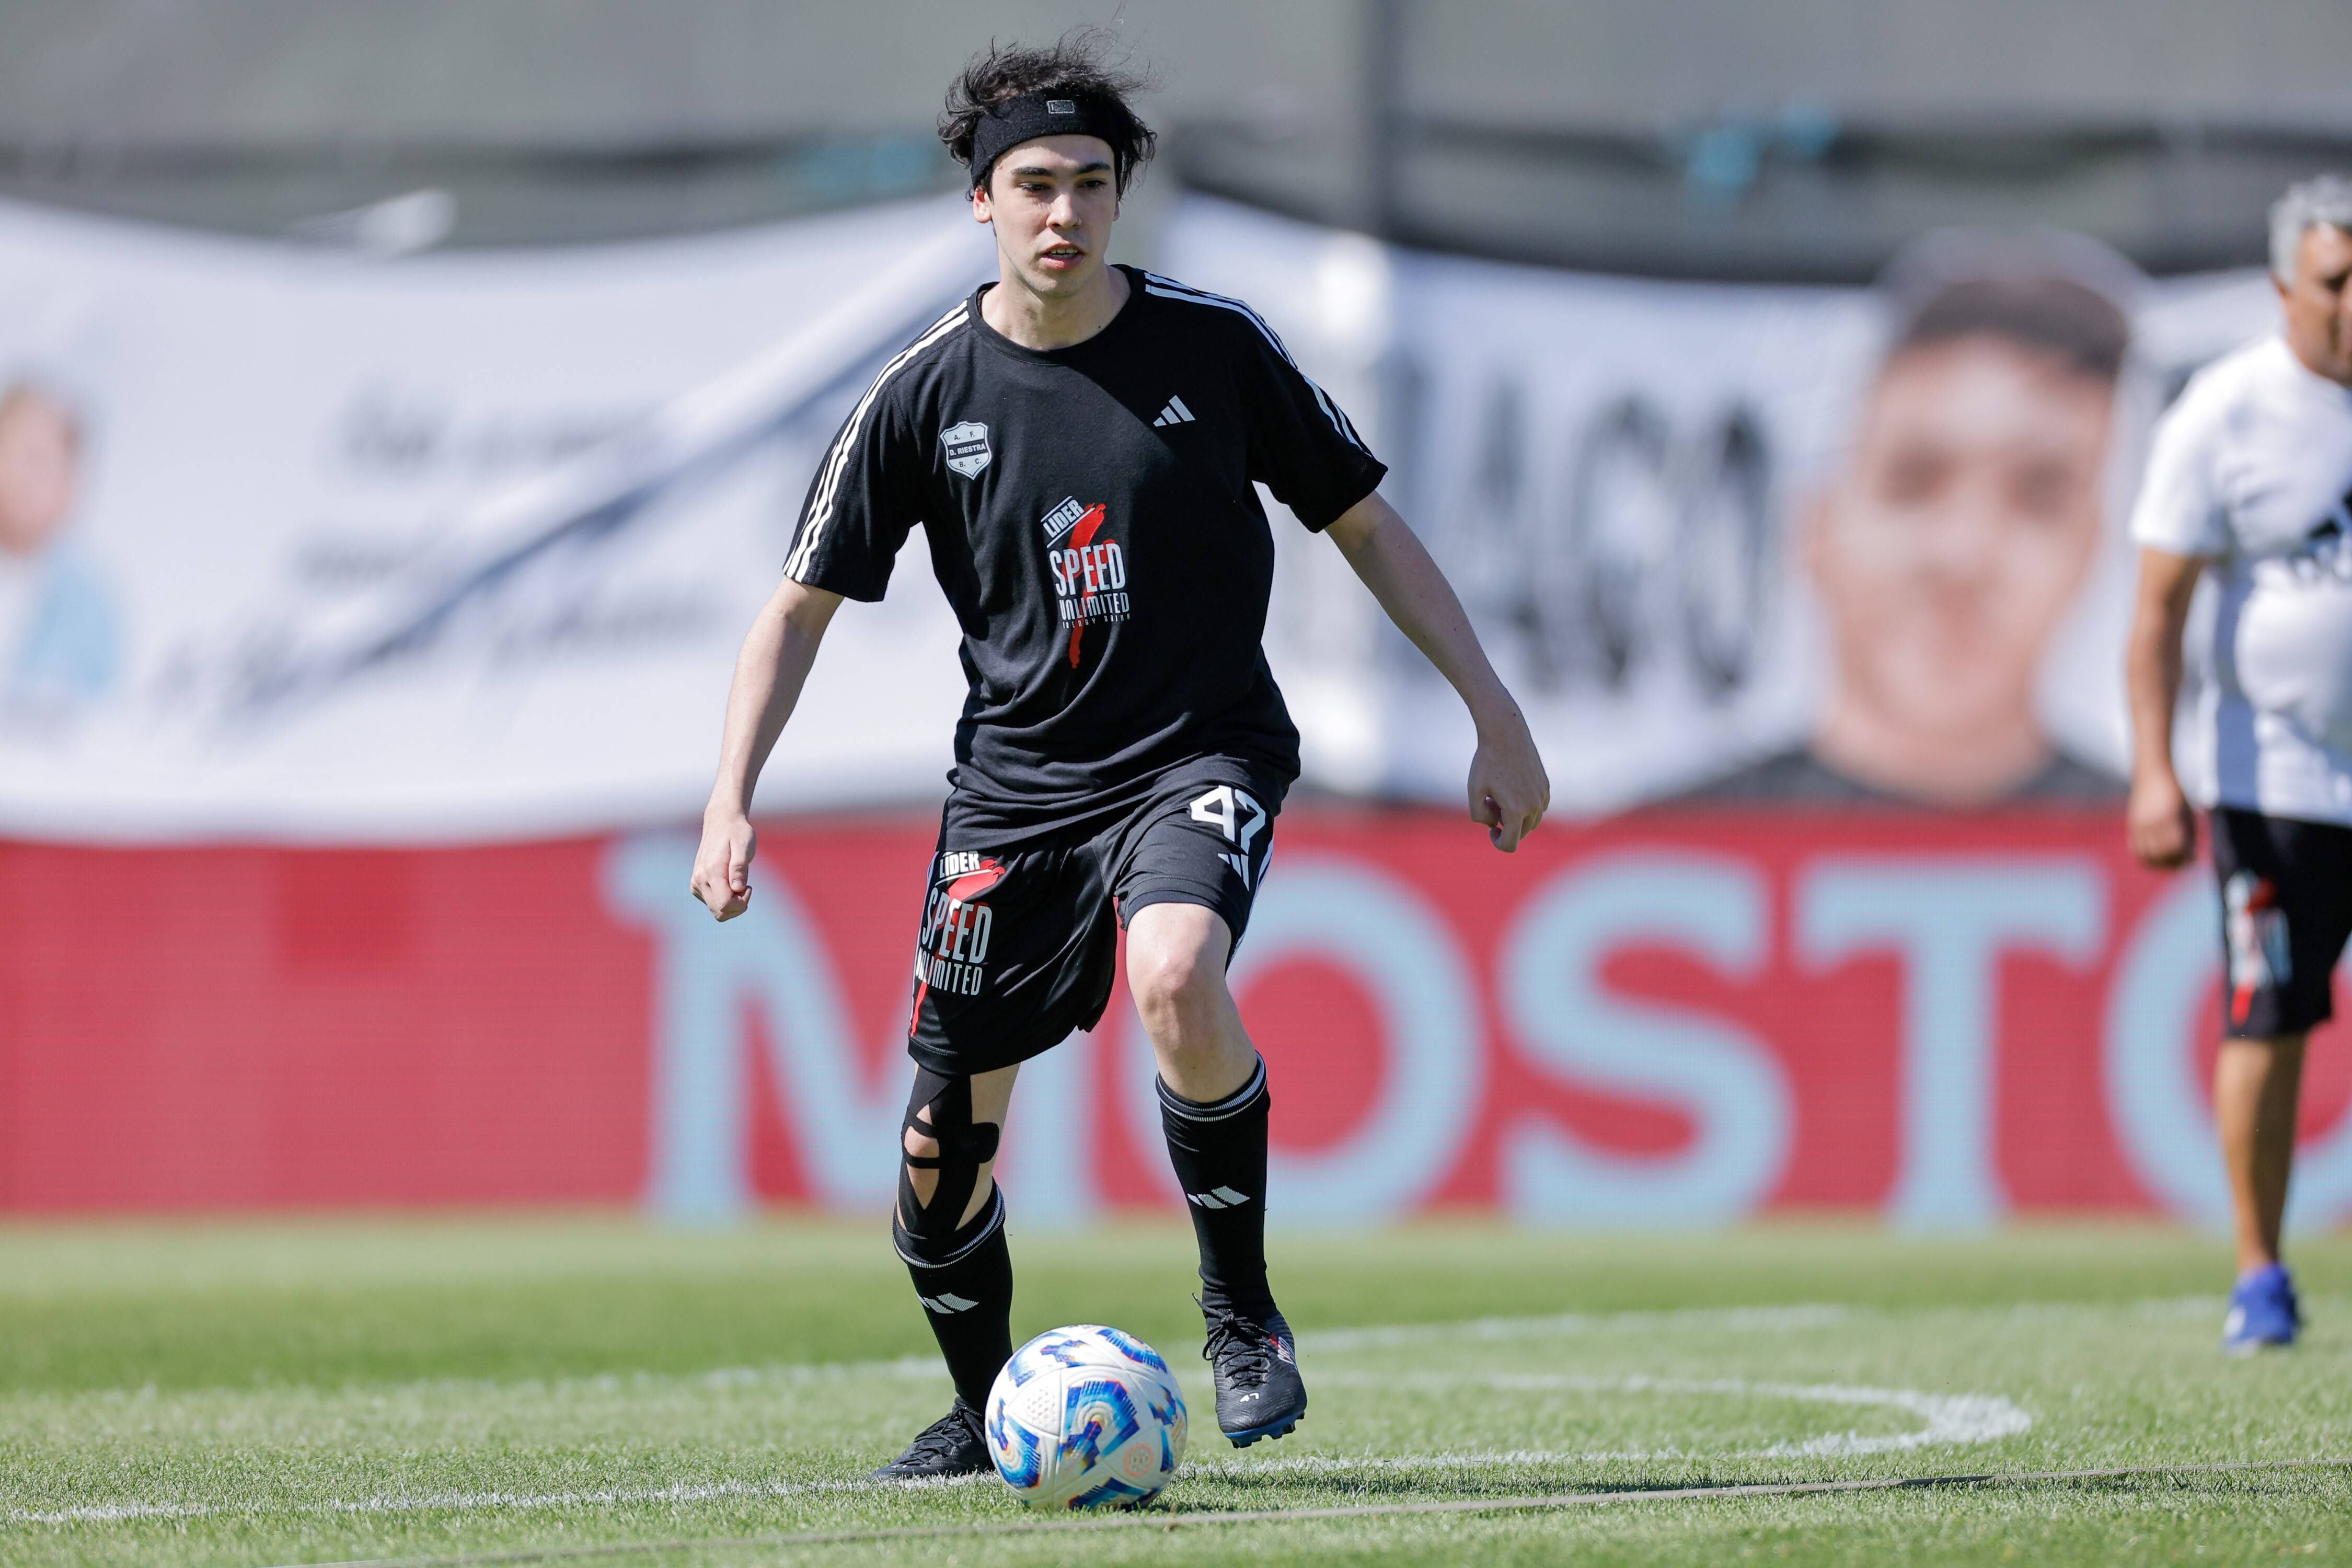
{"x": 1089, "y": 573}
{"x": 951, "y": 949}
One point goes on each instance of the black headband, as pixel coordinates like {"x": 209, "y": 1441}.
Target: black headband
{"x": 1034, "y": 114}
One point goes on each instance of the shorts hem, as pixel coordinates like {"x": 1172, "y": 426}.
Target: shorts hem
{"x": 1216, "y": 904}
{"x": 2293, "y": 1024}
{"x": 953, "y": 1062}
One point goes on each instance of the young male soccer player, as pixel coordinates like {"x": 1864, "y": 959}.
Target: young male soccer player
{"x": 1079, "y": 444}
{"x": 2251, "y": 481}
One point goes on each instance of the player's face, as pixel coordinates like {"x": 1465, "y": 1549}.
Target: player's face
{"x": 1951, "y": 548}
{"x": 1053, "y": 202}
{"x": 38, "y": 459}
{"x": 2318, "y": 304}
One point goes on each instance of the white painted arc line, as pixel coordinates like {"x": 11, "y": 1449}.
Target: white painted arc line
{"x": 1951, "y": 1420}
{"x": 1995, "y": 1414}
{"x": 1154, "y": 1520}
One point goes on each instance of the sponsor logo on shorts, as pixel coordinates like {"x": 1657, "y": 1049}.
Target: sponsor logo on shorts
{"x": 951, "y": 952}
{"x": 2326, "y": 550}
{"x": 2256, "y": 928}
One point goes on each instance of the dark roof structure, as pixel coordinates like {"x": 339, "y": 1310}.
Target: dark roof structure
{"x": 1805, "y": 139}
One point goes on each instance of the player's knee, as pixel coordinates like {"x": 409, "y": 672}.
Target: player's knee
{"x": 1178, "y": 990}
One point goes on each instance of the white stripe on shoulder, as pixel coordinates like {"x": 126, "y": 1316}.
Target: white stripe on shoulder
{"x": 1169, "y": 288}
{"x": 820, "y": 507}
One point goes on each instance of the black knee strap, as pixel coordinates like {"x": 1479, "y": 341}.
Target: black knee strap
{"x": 971, "y": 1145}
{"x": 939, "y": 1109}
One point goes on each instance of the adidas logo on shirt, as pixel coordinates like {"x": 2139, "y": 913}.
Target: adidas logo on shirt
{"x": 1219, "y": 1198}
{"x": 1174, "y": 413}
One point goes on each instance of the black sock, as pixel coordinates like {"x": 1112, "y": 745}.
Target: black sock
{"x": 968, "y": 1296}
{"x": 1218, "y": 1152}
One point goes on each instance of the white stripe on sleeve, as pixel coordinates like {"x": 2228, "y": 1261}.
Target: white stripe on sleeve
{"x": 1169, "y": 288}
{"x": 820, "y": 507}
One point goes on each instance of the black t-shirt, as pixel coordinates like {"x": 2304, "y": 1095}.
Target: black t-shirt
{"x": 1092, "y": 519}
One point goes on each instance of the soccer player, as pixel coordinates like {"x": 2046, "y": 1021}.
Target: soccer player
{"x": 1080, "y": 444}
{"x": 2250, "y": 482}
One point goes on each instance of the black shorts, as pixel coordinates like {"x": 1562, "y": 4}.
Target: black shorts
{"x": 1018, "y": 947}
{"x": 2286, "y": 912}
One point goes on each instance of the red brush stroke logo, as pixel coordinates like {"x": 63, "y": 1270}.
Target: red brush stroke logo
{"x": 971, "y": 884}
{"x": 1080, "y": 537}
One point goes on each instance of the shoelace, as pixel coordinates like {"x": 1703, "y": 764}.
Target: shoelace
{"x": 1250, "y": 1347}
{"x": 940, "y": 1440}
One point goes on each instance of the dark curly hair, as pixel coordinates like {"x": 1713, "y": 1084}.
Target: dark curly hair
{"x": 1084, "y": 62}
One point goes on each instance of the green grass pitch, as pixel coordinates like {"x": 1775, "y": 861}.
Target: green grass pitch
{"x": 312, "y": 1392}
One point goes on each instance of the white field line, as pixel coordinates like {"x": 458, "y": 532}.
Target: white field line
{"x": 1176, "y": 1520}
{"x": 433, "y": 1502}
{"x": 1950, "y": 1419}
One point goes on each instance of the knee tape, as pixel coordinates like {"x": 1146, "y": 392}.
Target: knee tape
{"x": 939, "y": 1109}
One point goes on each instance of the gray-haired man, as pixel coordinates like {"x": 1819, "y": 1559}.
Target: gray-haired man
{"x": 2251, "y": 481}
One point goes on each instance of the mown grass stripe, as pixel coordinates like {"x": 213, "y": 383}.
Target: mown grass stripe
{"x": 1197, "y": 1518}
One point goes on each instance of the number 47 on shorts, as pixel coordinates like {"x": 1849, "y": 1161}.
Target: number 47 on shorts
{"x": 1233, "y": 812}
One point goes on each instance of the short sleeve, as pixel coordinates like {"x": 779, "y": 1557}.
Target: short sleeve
{"x": 1301, "y": 445}
{"x": 861, "y": 505}
{"x": 2179, "y": 509}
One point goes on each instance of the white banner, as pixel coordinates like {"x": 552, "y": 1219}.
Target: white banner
{"x": 1668, "y": 508}
{"x": 301, "y": 545}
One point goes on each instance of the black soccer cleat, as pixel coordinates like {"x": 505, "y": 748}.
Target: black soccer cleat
{"x": 950, "y": 1446}
{"x": 1255, "y": 1365}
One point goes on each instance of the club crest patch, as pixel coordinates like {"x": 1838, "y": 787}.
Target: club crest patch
{"x": 967, "y": 447}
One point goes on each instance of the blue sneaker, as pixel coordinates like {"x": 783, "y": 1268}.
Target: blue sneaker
{"x": 2264, "y": 1312}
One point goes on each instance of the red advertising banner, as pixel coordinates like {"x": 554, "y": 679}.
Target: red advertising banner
{"x": 1680, "y": 1017}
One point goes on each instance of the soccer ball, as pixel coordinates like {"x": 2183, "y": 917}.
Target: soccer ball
{"x": 1086, "y": 1416}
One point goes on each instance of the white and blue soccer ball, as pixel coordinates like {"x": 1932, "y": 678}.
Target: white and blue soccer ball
{"x": 1085, "y": 1417}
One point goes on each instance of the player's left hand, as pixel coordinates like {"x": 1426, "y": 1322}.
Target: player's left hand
{"x": 1509, "y": 791}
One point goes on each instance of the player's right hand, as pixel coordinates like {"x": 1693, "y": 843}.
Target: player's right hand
{"x": 2162, "y": 828}
{"x": 722, "y": 865}
{"x": 1509, "y": 791}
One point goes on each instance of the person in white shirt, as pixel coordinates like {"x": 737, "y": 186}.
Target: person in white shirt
{"x": 2250, "y": 483}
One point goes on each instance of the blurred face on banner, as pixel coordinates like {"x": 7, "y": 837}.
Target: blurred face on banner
{"x": 39, "y": 462}
{"x": 1947, "y": 553}
{"x": 1052, "y": 202}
